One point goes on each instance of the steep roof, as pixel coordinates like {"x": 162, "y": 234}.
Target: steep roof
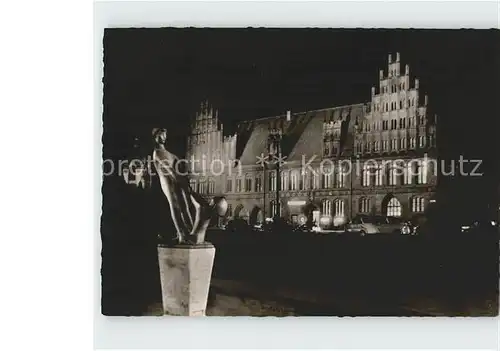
{"x": 302, "y": 135}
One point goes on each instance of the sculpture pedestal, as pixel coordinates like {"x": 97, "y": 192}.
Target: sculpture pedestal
{"x": 185, "y": 273}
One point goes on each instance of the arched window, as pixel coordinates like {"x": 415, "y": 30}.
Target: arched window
{"x": 417, "y": 204}
{"x": 339, "y": 208}
{"x": 364, "y": 205}
{"x": 326, "y": 207}
{"x": 394, "y": 208}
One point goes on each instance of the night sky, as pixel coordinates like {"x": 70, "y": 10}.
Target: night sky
{"x": 159, "y": 76}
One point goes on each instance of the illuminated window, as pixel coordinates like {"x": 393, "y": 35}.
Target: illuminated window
{"x": 202, "y": 187}
{"x": 385, "y": 145}
{"x": 284, "y": 181}
{"x": 211, "y": 186}
{"x": 313, "y": 179}
{"x": 392, "y": 173}
{"x": 417, "y": 204}
{"x": 327, "y": 178}
{"x": 248, "y": 184}
{"x": 422, "y": 170}
{"x": 421, "y": 141}
{"x": 293, "y": 180}
{"x": 339, "y": 208}
{"x": 272, "y": 181}
{"x": 394, "y": 208}
{"x": 402, "y": 143}
{"x": 258, "y": 184}
{"x": 394, "y": 144}
{"x": 364, "y": 205}
{"x": 326, "y": 208}
{"x": 379, "y": 175}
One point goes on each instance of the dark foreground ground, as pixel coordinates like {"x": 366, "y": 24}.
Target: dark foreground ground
{"x": 303, "y": 274}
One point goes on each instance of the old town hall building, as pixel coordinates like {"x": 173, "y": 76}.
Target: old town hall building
{"x": 377, "y": 157}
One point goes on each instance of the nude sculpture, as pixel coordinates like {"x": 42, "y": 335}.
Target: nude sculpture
{"x": 191, "y": 213}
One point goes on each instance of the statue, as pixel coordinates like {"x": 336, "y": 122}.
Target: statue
{"x": 191, "y": 213}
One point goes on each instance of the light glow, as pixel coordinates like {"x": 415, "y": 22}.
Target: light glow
{"x": 296, "y": 203}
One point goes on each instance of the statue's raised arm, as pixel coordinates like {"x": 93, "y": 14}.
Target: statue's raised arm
{"x": 191, "y": 213}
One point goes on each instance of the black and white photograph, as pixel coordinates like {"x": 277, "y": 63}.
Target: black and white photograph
{"x": 300, "y": 172}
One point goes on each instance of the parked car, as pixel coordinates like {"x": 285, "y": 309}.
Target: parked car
{"x": 365, "y": 224}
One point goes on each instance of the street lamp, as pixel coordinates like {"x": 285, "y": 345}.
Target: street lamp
{"x": 274, "y": 148}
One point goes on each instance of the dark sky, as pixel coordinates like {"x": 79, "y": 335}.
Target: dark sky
{"x": 159, "y": 76}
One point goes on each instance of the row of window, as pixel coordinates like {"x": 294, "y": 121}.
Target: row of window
{"x": 395, "y": 124}
{"x": 394, "y": 207}
{"x": 394, "y": 105}
{"x": 394, "y": 144}
{"x": 394, "y": 87}
{"x": 337, "y": 207}
{"x": 410, "y": 173}
{"x": 246, "y": 185}
{"x": 203, "y": 187}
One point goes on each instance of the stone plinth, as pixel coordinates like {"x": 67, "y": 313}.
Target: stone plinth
{"x": 185, "y": 272}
